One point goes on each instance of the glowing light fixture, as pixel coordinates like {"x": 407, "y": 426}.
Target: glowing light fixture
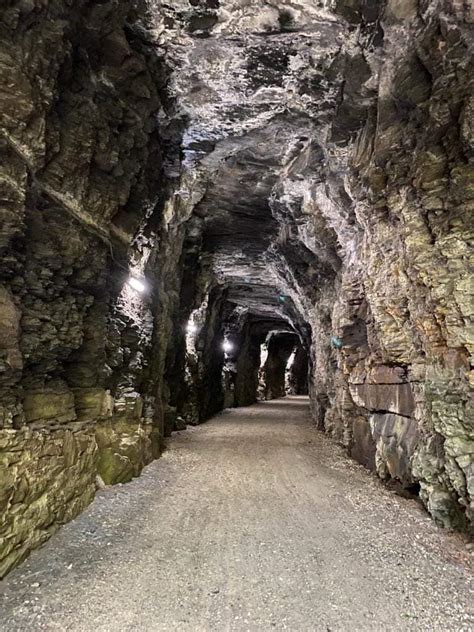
{"x": 136, "y": 284}
{"x": 227, "y": 346}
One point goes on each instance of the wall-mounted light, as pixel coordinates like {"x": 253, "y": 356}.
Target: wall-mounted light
{"x": 227, "y": 346}
{"x": 137, "y": 284}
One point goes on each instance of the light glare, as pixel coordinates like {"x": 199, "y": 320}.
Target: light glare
{"x": 227, "y": 346}
{"x": 136, "y": 284}
{"x": 291, "y": 360}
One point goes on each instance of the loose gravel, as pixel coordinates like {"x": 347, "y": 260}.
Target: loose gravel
{"x": 252, "y": 521}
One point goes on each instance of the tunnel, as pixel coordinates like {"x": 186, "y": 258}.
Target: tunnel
{"x": 235, "y": 278}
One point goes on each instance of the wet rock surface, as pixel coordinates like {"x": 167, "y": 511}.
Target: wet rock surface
{"x": 284, "y": 533}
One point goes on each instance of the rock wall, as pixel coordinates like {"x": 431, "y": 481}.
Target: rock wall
{"x": 333, "y": 143}
{"x": 247, "y": 367}
{"x": 280, "y": 347}
{"x": 393, "y": 333}
{"x": 296, "y": 379}
{"x": 81, "y": 181}
{"x": 46, "y": 478}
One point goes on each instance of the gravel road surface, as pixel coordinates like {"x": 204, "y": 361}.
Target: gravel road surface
{"x": 252, "y": 521}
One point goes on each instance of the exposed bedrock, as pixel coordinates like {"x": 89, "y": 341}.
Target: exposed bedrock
{"x": 297, "y": 372}
{"x": 334, "y": 145}
{"x": 280, "y": 347}
{"x": 188, "y": 186}
{"x": 80, "y": 209}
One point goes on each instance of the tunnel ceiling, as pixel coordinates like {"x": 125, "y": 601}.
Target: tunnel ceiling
{"x": 261, "y": 92}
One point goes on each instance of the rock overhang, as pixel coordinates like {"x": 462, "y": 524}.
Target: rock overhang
{"x": 257, "y": 86}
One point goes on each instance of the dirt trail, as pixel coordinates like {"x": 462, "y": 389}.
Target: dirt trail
{"x": 253, "y": 521}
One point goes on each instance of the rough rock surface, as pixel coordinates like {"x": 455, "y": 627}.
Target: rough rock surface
{"x": 333, "y": 146}
{"x": 80, "y": 173}
{"x": 46, "y": 478}
{"x": 279, "y": 349}
{"x": 266, "y": 169}
{"x": 285, "y": 533}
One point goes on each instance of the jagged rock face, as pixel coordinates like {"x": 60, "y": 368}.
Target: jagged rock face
{"x": 333, "y": 145}
{"x": 280, "y": 346}
{"x": 297, "y": 372}
{"x": 243, "y": 84}
{"x": 80, "y": 175}
{"x": 302, "y": 168}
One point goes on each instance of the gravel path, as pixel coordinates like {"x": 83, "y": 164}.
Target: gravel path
{"x": 253, "y": 521}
